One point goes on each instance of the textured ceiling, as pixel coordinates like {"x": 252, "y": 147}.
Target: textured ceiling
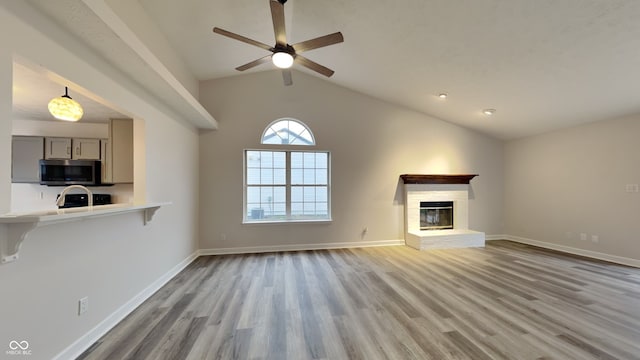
{"x": 34, "y": 88}
{"x": 543, "y": 64}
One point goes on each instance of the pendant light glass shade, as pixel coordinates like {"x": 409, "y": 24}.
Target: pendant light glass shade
{"x": 65, "y": 108}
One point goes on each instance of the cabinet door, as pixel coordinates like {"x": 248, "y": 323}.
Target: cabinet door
{"x": 121, "y": 138}
{"x": 57, "y": 148}
{"x": 105, "y": 160}
{"x": 86, "y": 149}
{"x": 26, "y": 152}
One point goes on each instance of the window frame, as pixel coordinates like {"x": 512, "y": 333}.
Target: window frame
{"x": 288, "y": 185}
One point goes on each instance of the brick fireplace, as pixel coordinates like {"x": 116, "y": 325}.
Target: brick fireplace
{"x": 438, "y": 190}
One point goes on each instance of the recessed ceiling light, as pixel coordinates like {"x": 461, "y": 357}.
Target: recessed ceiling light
{"x": 488, "y": 112}
{"x": 443, "y": 95}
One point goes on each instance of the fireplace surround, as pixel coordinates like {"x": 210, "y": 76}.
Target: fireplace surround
{"x": 438, "y": 190}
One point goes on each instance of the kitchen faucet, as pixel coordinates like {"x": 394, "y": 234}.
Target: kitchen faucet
{"x": 60, "y": 201}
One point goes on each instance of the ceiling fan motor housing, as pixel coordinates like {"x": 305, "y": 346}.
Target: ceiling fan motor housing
{"x": 287, "y": 49}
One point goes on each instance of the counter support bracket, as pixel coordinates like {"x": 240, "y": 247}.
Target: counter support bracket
{"x": 15, "y": 234}
{"x": 149, "y": 213}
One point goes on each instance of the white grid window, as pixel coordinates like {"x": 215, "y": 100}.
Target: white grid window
{"x": 309, "y": 184}
{"x": 286, "y": 185}
{"x": 266, "y": 184}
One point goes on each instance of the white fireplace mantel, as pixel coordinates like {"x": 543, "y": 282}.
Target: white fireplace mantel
{"x": 455, "y": 188}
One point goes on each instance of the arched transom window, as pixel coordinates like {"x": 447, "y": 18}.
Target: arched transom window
{"x": 287, "y": 132}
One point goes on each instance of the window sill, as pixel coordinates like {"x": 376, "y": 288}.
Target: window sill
{"x": 280, "y": 222}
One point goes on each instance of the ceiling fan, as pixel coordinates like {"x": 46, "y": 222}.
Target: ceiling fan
{"x": 284, "y": 55}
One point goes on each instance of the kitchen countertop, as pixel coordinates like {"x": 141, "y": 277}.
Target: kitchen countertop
{"x": 77, "y": 212}
{"x": 19, "y": 225}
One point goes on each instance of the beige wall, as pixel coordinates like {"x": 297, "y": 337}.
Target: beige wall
{"x": 109, "y": 259}
{"x": 6, "y": 95}
{"x": 562, "y": 184}
{"x": 371, "y": 144}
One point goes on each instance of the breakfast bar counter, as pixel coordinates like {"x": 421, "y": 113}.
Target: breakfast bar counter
{"x": 14, "y": 227}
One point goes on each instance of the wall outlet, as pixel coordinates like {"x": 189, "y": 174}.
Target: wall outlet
{"x": 583, "y": 236}
{"x": 595, "y": 238}
{"x": 223, "y": 237}
{"x": 83, "y": 305}
{"x": 630, "y": 188}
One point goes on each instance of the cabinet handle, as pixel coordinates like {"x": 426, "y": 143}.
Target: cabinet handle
{"x": 78, "y": 150}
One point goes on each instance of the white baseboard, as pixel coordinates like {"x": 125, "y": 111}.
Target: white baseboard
{"x": 83, "y": 343}
{"x": 575, "y": 251}
{"x": 298, "y": 247}
{"x": 495, "y": 237}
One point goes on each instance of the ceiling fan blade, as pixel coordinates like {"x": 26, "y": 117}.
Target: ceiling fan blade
{"x": 313, "y": 66}
{"x": 277, "y": 15}
{"x": 286, "y": 76}
{"x": 319, "y": 42}
{"x": 241, "y": 38}
{"x": 254, "y": 63}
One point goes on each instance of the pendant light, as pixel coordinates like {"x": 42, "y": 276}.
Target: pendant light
{"x": 65, "y": 108}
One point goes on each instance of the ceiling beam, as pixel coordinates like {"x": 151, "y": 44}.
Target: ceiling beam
{"x": 188, "y": 105}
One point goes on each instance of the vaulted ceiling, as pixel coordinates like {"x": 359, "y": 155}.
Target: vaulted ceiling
{"x": 542, "y": 65}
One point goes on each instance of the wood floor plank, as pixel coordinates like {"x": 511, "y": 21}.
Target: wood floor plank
{"x": 310, "y": 323}
{"x": 467, "y": 346}
{"x": 505, "y": 301}
{"x": 153, "y": 337}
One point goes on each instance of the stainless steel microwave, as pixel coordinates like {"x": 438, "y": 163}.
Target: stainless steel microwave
{"x": 70, "y": 172}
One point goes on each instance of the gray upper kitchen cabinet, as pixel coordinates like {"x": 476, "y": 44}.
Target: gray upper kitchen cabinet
{"x": 26, "y": 152}
{"x": 68, "y": 148}
{"x": 86, "y": 149}
{"x": 57, "y": 148}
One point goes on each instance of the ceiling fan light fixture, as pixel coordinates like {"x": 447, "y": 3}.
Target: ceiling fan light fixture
{"x": 65, "y": 108}
{"x": 282, "y": 59}
{"x": 489, "y": 112}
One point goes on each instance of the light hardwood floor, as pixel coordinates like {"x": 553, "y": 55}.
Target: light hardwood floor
{"x": 504, "y": 301}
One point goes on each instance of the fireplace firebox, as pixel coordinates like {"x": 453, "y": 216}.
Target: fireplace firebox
{"x": 436, "y": 215}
